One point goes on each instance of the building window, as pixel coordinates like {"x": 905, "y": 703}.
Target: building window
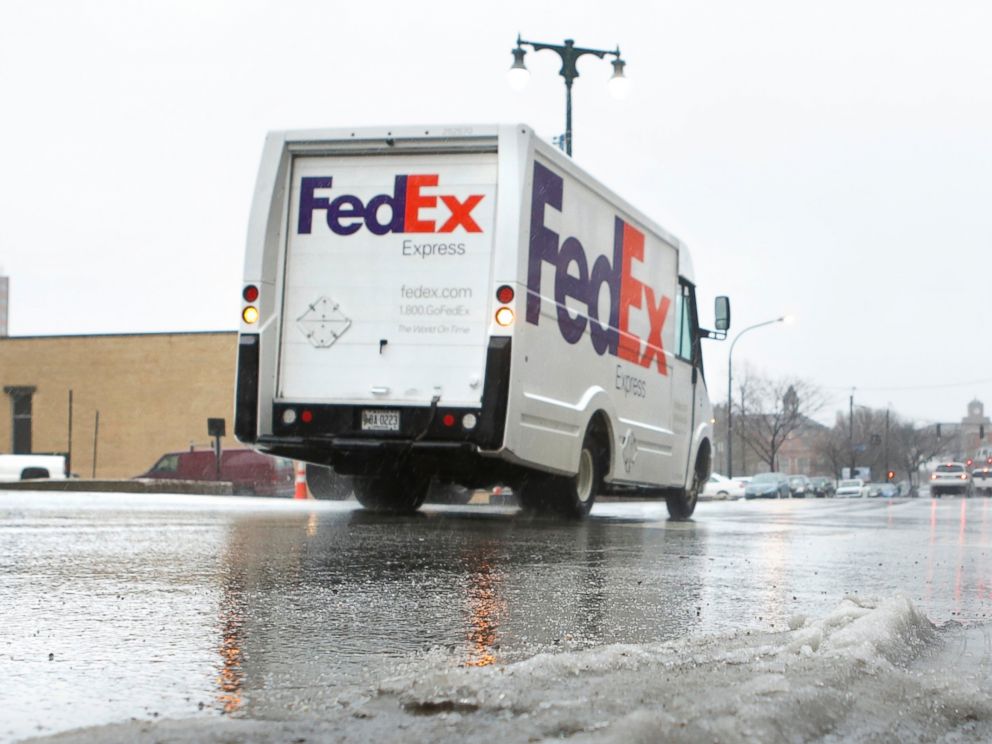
{"x": 20, "y": 405}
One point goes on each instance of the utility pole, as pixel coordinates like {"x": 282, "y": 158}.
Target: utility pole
{"x": 886, "y": 443}
{"x": 850, "y": 432}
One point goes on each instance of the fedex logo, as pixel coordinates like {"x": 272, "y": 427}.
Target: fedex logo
{"x": 346, "y": 214}
{"x": 574, "y": 278}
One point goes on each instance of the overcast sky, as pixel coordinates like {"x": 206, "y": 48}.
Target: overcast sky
{"x": 832, "y": 161}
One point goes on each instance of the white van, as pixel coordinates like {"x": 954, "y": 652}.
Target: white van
{"x": 466, "y": 304}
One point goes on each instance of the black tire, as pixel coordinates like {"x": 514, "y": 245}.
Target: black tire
{"x": 571, "y": 497}
{"x": 34, "y": 473}
{"x": 327, "y": 485}
{"x": 682, "y": 503}
{"x": 400, "y": 493}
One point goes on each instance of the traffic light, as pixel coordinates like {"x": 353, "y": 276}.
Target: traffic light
{"x": 938, "y": 431}
{"x": 891, "y": 475}
{"x": 981, "y": 431}
{"x": 969, "y": 462}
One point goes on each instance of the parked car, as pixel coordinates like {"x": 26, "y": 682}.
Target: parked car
{"x": 823, "y": 486}
{"x": 800, "y": 486}
{"x": 722, "y": 487}
{"x": 853, "y": 488}
{"x": 950, "y": 477}
{"x": 248, "y": 471}
{"x": 981, "y": 480}
{"x": 882, "y": 490}
{"x": 768, "y": 486}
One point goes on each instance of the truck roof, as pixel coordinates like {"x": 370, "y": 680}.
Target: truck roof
{"x": 469, "y": 135}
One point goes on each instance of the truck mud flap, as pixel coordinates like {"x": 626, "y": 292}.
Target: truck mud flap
{"x": 492, "y": 422}
{"x": 246, "y": 397}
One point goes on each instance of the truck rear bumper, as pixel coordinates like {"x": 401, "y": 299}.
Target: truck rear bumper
{"x": 462, "y": 462}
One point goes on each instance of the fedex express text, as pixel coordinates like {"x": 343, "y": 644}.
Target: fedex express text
{"x": 416, "y": 206}
{"x": 576, "y": 279}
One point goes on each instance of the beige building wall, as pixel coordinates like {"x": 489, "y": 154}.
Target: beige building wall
{"x": 154, "y": 393}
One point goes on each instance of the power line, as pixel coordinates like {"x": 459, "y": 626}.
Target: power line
{"x": 906, "y": 388}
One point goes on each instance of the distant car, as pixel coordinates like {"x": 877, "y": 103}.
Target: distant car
{"x": 721, "y": 487}
{"x": 768, "y": 486}
{"x": 981, "y": 480}
{"x": 882, "y": 490}
{"x": 32, "y": 467}
{"x": 800, "y": 486}
{"x": 950, "y": 477}
{"x": 248, "y": 471}
{"x": 822, "y": 486}
{"x": 853, "y": 488}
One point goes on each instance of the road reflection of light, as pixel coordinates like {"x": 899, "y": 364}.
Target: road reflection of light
{"x": 932, "y": 542}
{"x": 964, "y": 521}
{"x": 486, "y": 606}
{"x": 312, "y": 522}
{"x": 775, "y": 551}
{"x": 231, "y": 677}
{"x": 959, "y": 571}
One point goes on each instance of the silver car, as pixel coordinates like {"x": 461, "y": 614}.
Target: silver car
{"x": 853, "y": 488}
{"x": 768, "y": 486}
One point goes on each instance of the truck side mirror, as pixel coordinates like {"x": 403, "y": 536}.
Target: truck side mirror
{"x": 722, "y": 313}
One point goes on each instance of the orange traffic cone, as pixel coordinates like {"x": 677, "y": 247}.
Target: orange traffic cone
{"x": 301, "y": 481}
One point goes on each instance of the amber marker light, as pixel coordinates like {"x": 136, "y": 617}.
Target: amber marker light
{"x": 504, "y": 317}
{"x": 250, "y": 314}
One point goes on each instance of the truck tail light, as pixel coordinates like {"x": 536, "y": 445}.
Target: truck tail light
{"x": 504, "y": 317}
{"x": 250, "y": 293}
{"x": 250, "y": 314}
{"x": 504, "y": 295}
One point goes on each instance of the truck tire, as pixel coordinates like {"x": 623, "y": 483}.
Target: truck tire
{"x": 399, "y": 493}
{"x": 34, "y": 473}
{"x": 570, "y": 497}
{"x": 325, "y": 484}
{"x": 682, "y": 503}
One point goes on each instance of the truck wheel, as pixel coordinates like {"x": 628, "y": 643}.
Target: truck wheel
{"x": 401, "y": 493}
{"x": 34, "y": 473}
{"x": 570, "y": 497}
{"x": 682, "y": 503}
{"x": 325, "y": 484}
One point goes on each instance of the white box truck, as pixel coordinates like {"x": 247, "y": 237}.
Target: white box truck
{"x": 467, "y": 305}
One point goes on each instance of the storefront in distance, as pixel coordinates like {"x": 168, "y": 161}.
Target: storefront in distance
{"x": 153, "y": 392}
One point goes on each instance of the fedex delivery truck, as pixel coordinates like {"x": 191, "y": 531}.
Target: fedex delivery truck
{"x": 466, "y": 305}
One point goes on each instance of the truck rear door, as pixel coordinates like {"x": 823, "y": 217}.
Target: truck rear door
{"x": 387, "y": 278}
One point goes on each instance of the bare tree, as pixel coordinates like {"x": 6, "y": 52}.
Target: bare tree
{"x": 832, "y": 446}
{"x": 772, "y": 409}
{"x": 879, "y": 439}
{"x": 917, "y": 446}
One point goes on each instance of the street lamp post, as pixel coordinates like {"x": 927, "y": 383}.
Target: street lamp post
{"x": 569, "y": 54}
{"x": 730, "y": 391}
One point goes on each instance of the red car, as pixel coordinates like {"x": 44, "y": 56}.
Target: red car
{"x": 248, "y": 471}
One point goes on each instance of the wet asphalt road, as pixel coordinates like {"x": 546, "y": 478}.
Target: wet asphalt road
{"x": 122, "y": 606}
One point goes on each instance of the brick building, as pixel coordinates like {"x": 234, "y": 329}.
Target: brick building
{"x": 154, "y": 393}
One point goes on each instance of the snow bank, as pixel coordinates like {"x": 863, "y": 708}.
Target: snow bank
{"x": 867, "y": 671}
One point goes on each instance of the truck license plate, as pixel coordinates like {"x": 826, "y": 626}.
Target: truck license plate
{"x": 378, "y": 420}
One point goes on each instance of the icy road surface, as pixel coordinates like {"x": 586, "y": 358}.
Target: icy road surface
{"x": 177, "y": 618}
